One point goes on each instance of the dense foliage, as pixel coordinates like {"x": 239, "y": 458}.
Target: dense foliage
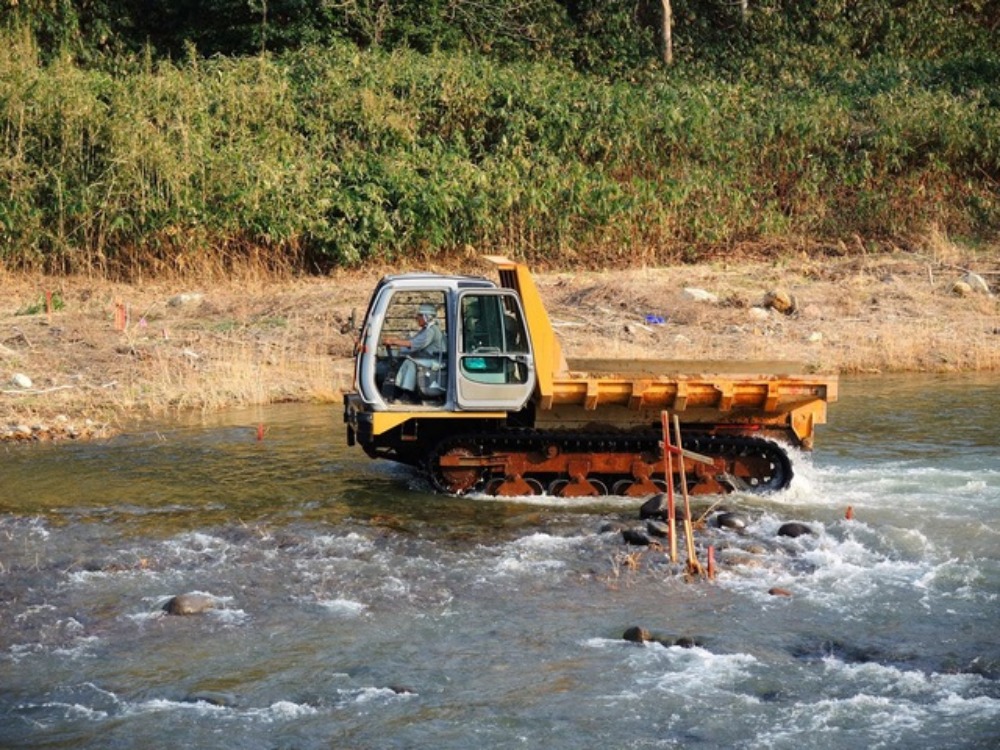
{"x": 321, "y": 133}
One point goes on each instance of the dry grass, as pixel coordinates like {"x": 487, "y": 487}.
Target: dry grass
{"x": 260, "y": 338}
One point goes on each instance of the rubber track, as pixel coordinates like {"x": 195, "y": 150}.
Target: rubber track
{"x": 528, "y": 440}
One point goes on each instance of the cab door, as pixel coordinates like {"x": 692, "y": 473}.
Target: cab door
{"x": 495, "y": 365}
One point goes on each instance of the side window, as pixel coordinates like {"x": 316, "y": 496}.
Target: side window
{"x": 412, "y": 355}
{"x": 403, "y": 319}
{"x": 493, "y": 333}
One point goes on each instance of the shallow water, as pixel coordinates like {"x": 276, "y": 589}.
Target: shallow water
{"x": 358, "y": 610}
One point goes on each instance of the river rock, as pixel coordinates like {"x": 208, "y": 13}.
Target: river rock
{"x": 637, "y": 634}
{"x": 794, "y": 529}
{"x": 735, "y": 521}
{"x": 637, "y": 538}
{"x": 686, "y": 641}
{"x": 654, "y": 507}
{"x": 658, "y": 528}
{"x": 778, "y": 591}
{"x": 189, "y": 604}
{"x": 612, "y": 527}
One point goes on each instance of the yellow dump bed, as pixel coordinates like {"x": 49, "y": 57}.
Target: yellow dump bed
{"x": 774, "y": 397}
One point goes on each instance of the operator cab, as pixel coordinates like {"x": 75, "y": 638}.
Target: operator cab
{"x": 444, "y": 343}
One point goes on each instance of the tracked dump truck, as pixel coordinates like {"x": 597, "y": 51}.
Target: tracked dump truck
{"x": 466, "y": 380}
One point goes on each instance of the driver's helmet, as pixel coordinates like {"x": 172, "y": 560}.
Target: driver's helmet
{"x": 427, "y": 311}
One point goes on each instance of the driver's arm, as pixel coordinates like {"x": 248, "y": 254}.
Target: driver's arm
{"x": 395, "y": 341}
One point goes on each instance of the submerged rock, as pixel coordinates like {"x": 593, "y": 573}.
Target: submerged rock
{"x": 212, "y": 697}
{"x": 736, "y": 521}
{"x": 658, "y": 528}
{"x": 612, "y": 527}
{"x": 687, "y": 641}
{"x": 189, "y": 604}
{"x": 794, "y": 529}
{"x": 638, "y": 538}
{"x": 654, "y": 507}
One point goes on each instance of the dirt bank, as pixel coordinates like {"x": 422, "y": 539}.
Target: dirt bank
{"x": 66, "y": 370}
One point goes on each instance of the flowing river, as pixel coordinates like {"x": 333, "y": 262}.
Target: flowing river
{"x": 357, "y": 610}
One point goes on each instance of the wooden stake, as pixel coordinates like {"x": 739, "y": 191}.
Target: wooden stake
{"x": 693, "y": 565}
{"x": 121, "y": 316}
{"x": 668, "y": 454}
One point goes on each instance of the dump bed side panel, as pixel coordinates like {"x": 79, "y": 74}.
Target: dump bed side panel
{"x": 791, "y": 405}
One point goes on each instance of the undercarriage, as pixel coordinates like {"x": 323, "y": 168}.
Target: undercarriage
{"x": 563, "y": 464}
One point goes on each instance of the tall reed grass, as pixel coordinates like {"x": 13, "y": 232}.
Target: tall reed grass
{"x": 330, "y": 157}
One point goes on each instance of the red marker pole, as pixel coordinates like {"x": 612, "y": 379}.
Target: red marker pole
{"x": 260, "y": 432}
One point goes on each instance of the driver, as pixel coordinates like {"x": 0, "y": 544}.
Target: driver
{"x": 423, "y": 347}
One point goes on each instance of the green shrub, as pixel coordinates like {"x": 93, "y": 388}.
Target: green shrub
{"x": 333, "y": 156}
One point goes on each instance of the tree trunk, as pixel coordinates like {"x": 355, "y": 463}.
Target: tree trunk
{"x": 667, "y": 33}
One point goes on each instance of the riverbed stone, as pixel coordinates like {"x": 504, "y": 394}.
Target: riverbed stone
{"x": 654, "y": 507}
{"x": 734, "y": 521}
{"x": 658, "y": 528}
{"x": 794, "y": 529}
{"x": 189, "y": 604}
{"x": 637, "y": 634}
{"x": 612, "y": 527}
{"x": 636, "y": 538}
{"x": 212, "y": 697}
